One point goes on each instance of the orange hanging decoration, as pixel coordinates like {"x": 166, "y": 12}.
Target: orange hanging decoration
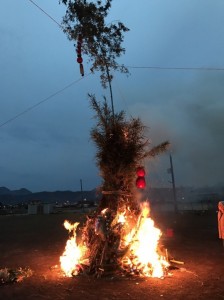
{"x": 79, "y": 60}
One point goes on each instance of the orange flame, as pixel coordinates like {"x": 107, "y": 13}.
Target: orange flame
{"x": 143, "y": 256}
{"x": 72, "y": 254}
{"x": 142, "y": 241}
{"x": 121, "y": 218}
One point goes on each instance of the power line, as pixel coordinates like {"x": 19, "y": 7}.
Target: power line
{"x": 142, "y": 67}
{"x": 176, "y": 68}
{"x": 52, "y": 95}
{"x": 42, "y": 101}
{"x": 49, "y": 16}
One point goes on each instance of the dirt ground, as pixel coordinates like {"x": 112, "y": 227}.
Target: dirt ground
{"x": 38, "y": 241}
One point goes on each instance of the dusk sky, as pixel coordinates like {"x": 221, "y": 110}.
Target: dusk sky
{"x": 49, "y": 147}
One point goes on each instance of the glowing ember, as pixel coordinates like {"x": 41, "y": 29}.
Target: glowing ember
{"x": 104, "y": 211}
{"x": 71, "y": 256}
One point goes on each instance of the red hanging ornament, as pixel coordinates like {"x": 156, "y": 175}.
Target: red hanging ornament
{"x": 140, "y": 171}
{"x": 140, "y": 183}
{"x": 79, "y": 54}
{"x": 79, "y": 60}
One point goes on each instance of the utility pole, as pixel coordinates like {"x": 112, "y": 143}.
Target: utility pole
{"x": 173, "y": 185}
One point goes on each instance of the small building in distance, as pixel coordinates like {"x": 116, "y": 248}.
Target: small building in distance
{"x": 36, "y": 207}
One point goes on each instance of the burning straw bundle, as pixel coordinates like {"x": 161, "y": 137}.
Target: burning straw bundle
{"x": 121, "y": 149}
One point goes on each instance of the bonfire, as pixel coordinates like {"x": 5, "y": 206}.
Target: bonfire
{"x": 120, "y": 236}
{"x": 119, "y": 245}
{"x": 134, "y": 249}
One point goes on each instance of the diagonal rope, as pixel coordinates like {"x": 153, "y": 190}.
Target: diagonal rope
{"x": 42, "y": 101}
{"x": 49, "y": 16}
{"x": 177, "y": 68}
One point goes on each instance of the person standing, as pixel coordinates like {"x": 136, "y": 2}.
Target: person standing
{"x": 221, "y": 220}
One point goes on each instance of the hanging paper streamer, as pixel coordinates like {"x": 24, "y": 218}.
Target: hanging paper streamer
{"x": 79, "y": 54}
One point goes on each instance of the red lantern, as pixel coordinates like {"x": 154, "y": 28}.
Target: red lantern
{"x": 140, "y": 172}
{"x": 79, "y": 54}
{"x": 79, "y": 60}
{"x": 140, "y": 183}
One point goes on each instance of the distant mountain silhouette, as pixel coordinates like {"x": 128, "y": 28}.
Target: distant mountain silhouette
{"x": 160, "y": 195}
{"x": 4, "y": 190}
{"x": 11, "y": 197}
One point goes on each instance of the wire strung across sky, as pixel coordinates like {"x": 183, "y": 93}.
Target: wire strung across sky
{"x": 140, "y": 67}
{"x": 177, "y": 68}
{"x": 76, "y": 81}
{"x": 49, "y": 16}
{"x": 42, "y": 101}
